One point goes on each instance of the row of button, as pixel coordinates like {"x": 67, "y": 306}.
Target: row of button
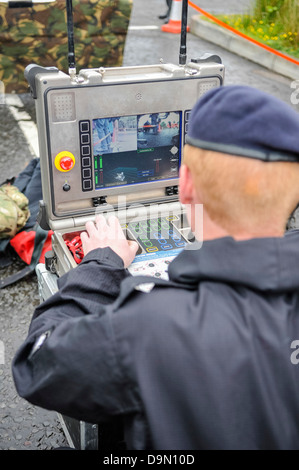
{"x": 85, "y": 152}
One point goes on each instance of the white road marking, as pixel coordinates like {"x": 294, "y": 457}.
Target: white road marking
{"x": 24, "y": 121}
{"x": 143, "y": 28}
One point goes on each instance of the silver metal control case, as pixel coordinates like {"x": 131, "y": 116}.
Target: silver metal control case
{"x": 67, "y": 109}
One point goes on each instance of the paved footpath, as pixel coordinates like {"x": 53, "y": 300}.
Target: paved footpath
{"x": 23, "y": 426}
{"x": 148, "y": 46}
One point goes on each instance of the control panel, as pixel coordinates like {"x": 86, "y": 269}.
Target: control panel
{"x": 160, "y": 239}
{"x": 107, "y": 133}
{"x": 85, "y": 155}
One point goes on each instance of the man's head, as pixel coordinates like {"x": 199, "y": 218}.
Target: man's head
{"x": 241, "y": 161}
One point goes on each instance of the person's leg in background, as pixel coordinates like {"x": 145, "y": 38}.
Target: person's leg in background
{"x": 167, "y": 14}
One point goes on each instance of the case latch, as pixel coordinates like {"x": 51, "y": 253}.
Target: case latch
{"x": 99, "y": 201}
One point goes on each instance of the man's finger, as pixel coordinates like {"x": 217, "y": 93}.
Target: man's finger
{"x": 101, "y": 223}
{"x": 85, "y": 239}
{"x": 84, "y": 236}
{"x": 90, "y": 227}
{"x": 116, "y": 228}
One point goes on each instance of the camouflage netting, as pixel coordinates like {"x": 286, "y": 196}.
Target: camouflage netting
{"x": 38, "y": 34}
{"x": 14, "y": 211}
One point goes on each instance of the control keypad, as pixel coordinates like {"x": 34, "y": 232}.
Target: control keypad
{"x": 85, "y": 154}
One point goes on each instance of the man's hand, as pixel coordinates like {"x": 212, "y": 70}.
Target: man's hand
{"x": 102, "y": 234}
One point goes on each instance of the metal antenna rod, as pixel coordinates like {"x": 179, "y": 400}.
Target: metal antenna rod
{"x": 70, "y": 35}
{"x": 183, "y": 46}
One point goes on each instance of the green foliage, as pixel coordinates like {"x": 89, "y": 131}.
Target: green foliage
{"x": 273, "y": 22}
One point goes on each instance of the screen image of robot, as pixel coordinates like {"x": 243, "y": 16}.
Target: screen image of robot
{"x": 136, "y": 149}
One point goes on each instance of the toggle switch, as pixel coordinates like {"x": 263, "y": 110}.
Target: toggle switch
{"x": 64, "y": 161}
{"x": 66, "y": 187}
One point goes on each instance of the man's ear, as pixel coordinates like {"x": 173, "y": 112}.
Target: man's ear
{"x": 186, "y": 185}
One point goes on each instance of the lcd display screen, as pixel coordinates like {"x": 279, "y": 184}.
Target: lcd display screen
{"x": 136, "y": 149}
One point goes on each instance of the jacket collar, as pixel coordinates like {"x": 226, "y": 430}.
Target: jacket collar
{"x": 265, "y": 264}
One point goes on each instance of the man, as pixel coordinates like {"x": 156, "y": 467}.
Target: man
{"x": 206, "y": 360}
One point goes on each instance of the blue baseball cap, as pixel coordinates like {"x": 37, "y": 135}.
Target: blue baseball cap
{"x": 246, "y": 122}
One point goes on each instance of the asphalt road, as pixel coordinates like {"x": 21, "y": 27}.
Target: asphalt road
{"x": 24, "y": 426}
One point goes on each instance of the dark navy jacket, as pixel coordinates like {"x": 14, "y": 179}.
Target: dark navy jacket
{"x": 211, "y": 365}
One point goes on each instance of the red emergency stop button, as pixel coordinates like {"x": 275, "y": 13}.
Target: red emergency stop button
{"x": 64, "y": 161}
